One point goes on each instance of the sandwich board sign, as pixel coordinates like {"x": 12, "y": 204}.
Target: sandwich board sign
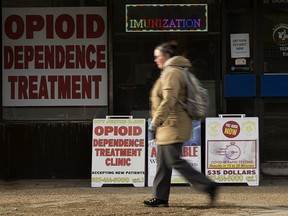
{"x": 118, "y": 151}
{"x": 232, "y": 149}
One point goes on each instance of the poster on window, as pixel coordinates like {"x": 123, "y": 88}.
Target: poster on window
{"x": 191, "y": 151}
{"x": 118, "y": 152}
{"x": 232, "y": 150}
{"x": 54, "y": 56}
{"x": 240, "y": 47}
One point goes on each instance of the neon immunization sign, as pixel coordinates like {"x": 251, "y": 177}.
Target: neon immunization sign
{"x": 167, "y": 18}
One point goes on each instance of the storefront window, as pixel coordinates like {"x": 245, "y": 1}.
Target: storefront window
{"x": 36, "y": 86}
{"x": 241, "y": 106}
{"x": 275, "y": 25}
{"x": 134, "y": 70}
{"x": 275, "y": 127}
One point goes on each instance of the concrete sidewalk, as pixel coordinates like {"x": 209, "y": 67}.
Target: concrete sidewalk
{"x": 77, "y": 197}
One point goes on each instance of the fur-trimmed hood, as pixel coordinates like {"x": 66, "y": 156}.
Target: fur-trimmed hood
{"x": 179, "y": 61}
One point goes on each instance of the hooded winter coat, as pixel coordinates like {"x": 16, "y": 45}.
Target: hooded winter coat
{"x": 174, "y": 124}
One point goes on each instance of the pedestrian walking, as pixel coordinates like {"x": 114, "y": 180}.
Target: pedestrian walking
{"x": 172, "y": 127}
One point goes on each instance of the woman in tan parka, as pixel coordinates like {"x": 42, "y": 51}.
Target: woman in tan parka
{"x": 172, "y": 127}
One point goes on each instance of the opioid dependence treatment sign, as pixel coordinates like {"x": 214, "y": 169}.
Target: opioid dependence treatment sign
{"x": 54, "y": 56}
{"x": 232, "y": 150}
{"x": 166, "y": 17}
{"x": 118, "y": 152}
{"x": 191, "y": 152}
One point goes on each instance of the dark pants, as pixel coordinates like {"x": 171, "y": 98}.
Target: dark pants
{"x": 168, "y": 157}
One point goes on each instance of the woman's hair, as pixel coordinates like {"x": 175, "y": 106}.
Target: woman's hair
{"x": 168, "y": 48}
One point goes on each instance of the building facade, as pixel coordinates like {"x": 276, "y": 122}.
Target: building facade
{"x": 63, "y": 66}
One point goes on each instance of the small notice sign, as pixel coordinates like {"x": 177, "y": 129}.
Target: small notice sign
{"x": 240, "y": 47}
{"x": 118, "y": 152}
{"x": 240, "y": 61}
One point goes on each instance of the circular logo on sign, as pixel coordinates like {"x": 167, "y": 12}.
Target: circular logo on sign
{"x": 214, "y": 128}
{"x": 280, "y": 34}
{"x": 231, "y": 129}
{"x": 249, "y": 127}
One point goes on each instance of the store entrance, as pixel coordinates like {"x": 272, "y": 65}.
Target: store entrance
{"x": 273, "y": 81}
